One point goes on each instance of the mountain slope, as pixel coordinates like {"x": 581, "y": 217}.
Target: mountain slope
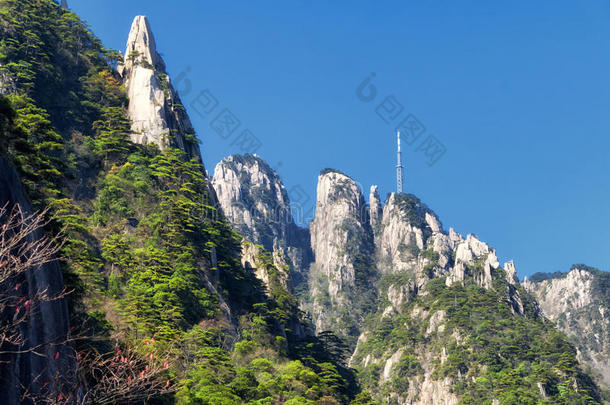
{"x": 153, "y": 268}
{"x": 435, "y": 317}
{"x": 452, "y": 326}
{"x": 158, "y": 274}
{"x": 579, "y": 303}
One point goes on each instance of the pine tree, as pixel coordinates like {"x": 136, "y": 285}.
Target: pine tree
{"x": 34, "y": 145}
{"x": 112, "y": 135}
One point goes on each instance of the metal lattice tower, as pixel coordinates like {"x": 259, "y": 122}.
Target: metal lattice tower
{"x": 399, "y": 168}
{"x": 64, "y": 3}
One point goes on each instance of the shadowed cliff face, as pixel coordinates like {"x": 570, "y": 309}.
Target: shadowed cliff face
{"x": 46, "y": 328}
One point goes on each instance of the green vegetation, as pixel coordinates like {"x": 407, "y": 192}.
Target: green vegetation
{"x": 537, "y": 277}
{"x": 414, "y": 211}
{"x": 148, "y": 260}
{"x": 35, "y": 146}
{"x": 491, "y": 353}
{"x": 140, "y": 234}
{"x": 329, "y": 170}
{"x": 575, "y": 319}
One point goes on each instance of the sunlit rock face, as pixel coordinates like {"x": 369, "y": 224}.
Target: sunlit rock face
{"x": 376, "y": 210}
{"x": 407, "y": 229}
{"x": 156, "y": 112}
{"x": 254, "y": 200}
{"x": 343, "y": 247}
{"x": 579, "y": 303}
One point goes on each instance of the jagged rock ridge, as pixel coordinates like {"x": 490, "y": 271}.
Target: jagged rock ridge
{"x": 376, "y": 264}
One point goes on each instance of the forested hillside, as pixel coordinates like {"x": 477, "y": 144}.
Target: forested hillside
{"x": 150, "y": 269}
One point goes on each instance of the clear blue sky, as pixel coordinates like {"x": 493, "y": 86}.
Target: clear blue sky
{"x": 517, "y": 92}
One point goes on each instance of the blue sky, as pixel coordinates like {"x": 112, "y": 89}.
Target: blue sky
{"x": 517, "y": 93}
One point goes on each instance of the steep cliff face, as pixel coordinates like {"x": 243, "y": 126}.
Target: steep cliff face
{"x": 579, "y": 303}
{"x": 254, "y": 199}
{"x": 343, "y": 246}
{"x": 376, "y": 210}
{"x": 44, "y": 331}
{"x": 156, "y": 112}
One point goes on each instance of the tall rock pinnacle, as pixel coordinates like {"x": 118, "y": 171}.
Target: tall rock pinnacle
{"x": 156, "y": 112}
{"x": 342, "y": 242}
{"x": 375, "y": 208}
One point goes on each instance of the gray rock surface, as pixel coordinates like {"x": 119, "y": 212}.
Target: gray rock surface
{"x": 254, "y": 200}
{"x": 342, "y": 243}
{"x": 579, "y": 303}
{"x": 47, "y": 326}
{"x": 376, "y": 210}
{"x": 156, "y": 112}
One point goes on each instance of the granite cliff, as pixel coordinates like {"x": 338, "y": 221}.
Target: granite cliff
{"x": 579, "y": 303}
{"x": 155, "y": 109}
{"x": 44, "y": 332}
{"x": 252, "y": 197}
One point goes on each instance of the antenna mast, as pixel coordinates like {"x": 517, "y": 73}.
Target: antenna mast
{"x": 399, "y": 167}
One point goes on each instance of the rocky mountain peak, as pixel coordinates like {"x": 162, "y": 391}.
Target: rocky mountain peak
{"x": 376, "y": 210}
{"x": 343, "y": 247}
{"x": 511, "y": 272}
{"x": 341, "y": 215}
{"x": 253, "y": 198}
{"x": 476, "y": 259}
{"x": 156, "y": 112}
{"x": 141, "y": 42}
{"x": 336, "y": 188}
{"x": 406, "y": 226}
